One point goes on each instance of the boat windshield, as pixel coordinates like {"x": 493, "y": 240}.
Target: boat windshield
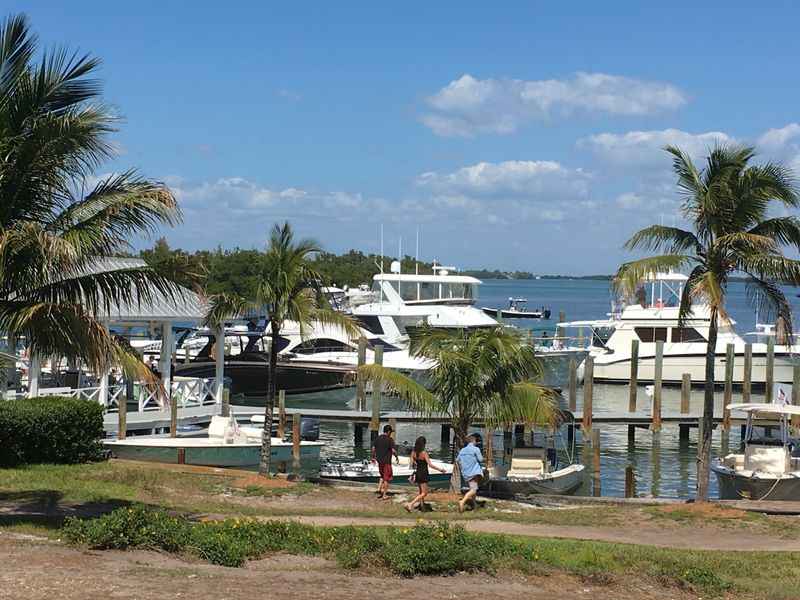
{"x": 431, "y": 291}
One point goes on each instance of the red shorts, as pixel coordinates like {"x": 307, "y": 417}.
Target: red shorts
{"x": 385, "y": 469}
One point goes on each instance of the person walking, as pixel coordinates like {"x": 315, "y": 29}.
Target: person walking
{"x": 469, "y": 461}
{"x": 382, "y": 451}
{"x": 422, "y": 464}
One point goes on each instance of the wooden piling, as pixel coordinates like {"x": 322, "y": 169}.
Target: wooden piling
{"x": 747, "y": 375}
{"x": 631, "y": 436}
{"x": 727, "y": 395}
{"x": 588, "y": 391}
{"x": 633, "y": 385}
{"x": 358, "y": 434}
{"x": 573, "y": 385}
{"x": 445, "y": 433}
{"x": 795, "y": 421}
{"x": 122, "y": 408}
{"x": 489, "y": 446}
{"x": 686, "y": 392}
{"x": 296, "y": 444}
{"x": 659, "y": 369}
{"x": 361, "y": 388}
{"x": 377, "y": 392}
{"x": 580, "y": 337}
{"x": 561, "y": 316}
{"x": 281, "y": 413}
{"x": 225, "y": 409}
{"x": 769, "y": 379}
{"x": 596, "y": 491}
{"x": 630, "y": 482}
{"x": 683, "y": 432}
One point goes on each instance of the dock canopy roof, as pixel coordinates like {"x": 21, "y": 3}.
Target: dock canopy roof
{"x": 185, "y": 305}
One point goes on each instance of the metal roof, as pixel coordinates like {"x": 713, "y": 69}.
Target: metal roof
{"x": 185, "y": 306}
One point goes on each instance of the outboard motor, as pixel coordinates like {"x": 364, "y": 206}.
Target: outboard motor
{"x": 309, "y": 429}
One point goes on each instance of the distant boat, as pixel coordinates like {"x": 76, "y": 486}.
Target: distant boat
{"x": 517, "y": 309}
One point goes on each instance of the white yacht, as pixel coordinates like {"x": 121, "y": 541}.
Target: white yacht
{"x": 656, "y": 319}
{"x": 402, "y": 302}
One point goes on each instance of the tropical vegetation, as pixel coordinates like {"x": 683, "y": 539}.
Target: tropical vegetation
{"x": 486, "y": 375}
{"x": 58, "y": 219}
{"x": 287, "y": 288}
{"x": 733, "y": 210}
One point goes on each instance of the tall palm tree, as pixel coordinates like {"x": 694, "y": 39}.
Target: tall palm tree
{"x": 289, "y": 289}
{"x": 485, "y": 375}
{"x": 56, "y": 218}
{"x": 727, "y": 204}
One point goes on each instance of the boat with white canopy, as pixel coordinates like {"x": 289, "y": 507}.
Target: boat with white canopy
{"x": 768, "y": 469}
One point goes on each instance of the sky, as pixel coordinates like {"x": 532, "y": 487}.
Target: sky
{"x": 523, "y": 135}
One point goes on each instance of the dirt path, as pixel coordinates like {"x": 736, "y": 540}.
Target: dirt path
{"x": 35, "y": 569}
{"x": 684, "y": 538}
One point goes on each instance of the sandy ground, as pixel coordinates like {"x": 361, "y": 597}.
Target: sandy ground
{"x": 37, "y": 569}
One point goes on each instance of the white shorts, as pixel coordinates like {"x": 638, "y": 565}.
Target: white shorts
{"x": 474, "y": 483}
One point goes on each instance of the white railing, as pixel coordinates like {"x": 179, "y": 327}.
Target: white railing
{"x": 186, "y": 392}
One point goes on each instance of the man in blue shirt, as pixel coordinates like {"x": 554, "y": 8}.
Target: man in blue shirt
{"x": 469, "y": 461}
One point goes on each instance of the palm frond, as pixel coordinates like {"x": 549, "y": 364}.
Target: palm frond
{"x": 784, "y": 230}
{"x": 222, "y": 307}
{"x": 631, "y": 274}
{"x": 411, "y": 392}
{"x": 671, "y": 240}
{"x": 525, "y": 402}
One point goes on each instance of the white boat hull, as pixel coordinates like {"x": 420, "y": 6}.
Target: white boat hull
{"x": 562, "y": 482}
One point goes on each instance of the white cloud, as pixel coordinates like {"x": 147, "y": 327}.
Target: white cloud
{"x": 637, "y": 148}
{"x": 629, "y": 200}
{"x": 468, "y": 106}
{"x": 776, "y": 139}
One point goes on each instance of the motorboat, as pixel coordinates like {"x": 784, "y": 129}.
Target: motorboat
{"x": 517, "y": 309}
{"x": 769, "y": 468}
{"x": 535, "y": 470}
{"x": 367, "y": 472}
{"x": 226, "y": 445}
{"x": 654, "y": 318}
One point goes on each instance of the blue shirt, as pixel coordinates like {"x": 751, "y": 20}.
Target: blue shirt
{"x": 470, "y": 459}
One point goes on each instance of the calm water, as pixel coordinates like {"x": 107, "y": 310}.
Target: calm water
{"x": 663, "y": 465}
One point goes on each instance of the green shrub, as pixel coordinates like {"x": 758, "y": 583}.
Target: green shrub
{"x": 134, "y": 527}
{"x": 440, "y": 549}
{"x": 50, "y": 429}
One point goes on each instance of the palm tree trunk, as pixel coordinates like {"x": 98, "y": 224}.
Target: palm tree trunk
{"x": 272, "y": 376}
{"x": 704, "y": 449}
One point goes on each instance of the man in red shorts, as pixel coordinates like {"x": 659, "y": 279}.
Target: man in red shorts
{"x": 382, "y": 450}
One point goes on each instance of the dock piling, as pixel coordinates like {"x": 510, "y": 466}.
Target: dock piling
{"x": 225, "y": 408}
{"x": 445, "y": 434}
{"x": 634, "y": 383}
{"x": 686, "y": 392}
{"x": 630, "y": 482}
{"x": 573, "y": 384}
{"x": 173, "y": 416}
{"x": 747, "y": 375}
{"x": 122, "y": 407}
{"x": 727, "y": 396}
{"x": 659, "y": 369}
{"x": 596, "y": 491}
{"x": 296, "y": 444}
{"x": 631, "y": 436}
{"x": 588, "y": 391}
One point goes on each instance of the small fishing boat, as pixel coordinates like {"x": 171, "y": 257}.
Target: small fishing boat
{"x": 367, "y": 471}
{"x": 535, "y": 471}
{"x": 226, "y": 445}
{"x": 767, "y": 470}
{"x": 517, "y": 309}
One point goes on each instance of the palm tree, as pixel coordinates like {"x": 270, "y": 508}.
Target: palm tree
{"x": 727, "y": 204}
{"x": 56, "y": 218}
{"x": 289, "y": 289}
{"x": 485, "y": 375}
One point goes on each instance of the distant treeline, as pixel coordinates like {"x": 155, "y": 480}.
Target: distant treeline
{"x": 237, "y": 270}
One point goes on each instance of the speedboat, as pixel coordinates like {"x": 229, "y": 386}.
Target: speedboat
{"x": 518, "y": 309}
{"x": 655, "y": 318}
{"x": 226, "y": 445}
{"x": 367, "y": 472}
{"x": 768, "y": 469}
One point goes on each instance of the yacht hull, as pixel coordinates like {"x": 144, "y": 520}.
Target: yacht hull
{"x": 736, "y": 486}
{"x": 615, "y": 369}
{"x": 250, "y": 378}
{"x": 563, "y": 482}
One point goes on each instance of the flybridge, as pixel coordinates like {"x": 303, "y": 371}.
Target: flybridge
{"x": 426, "y": 289}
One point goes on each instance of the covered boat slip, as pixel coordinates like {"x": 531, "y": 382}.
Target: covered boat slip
{"x": 769, "y": 468}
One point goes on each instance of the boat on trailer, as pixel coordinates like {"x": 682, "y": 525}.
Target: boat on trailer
{"x": 517, "y": 309}
{"x": 769, "y": 468}
{"x": 226, "y": 445}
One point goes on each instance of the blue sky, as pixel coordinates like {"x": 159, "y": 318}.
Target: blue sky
{"x": 520, "y": 135}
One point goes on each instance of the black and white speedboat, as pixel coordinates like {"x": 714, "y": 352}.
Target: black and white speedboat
{"x": 518, "y": 309}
